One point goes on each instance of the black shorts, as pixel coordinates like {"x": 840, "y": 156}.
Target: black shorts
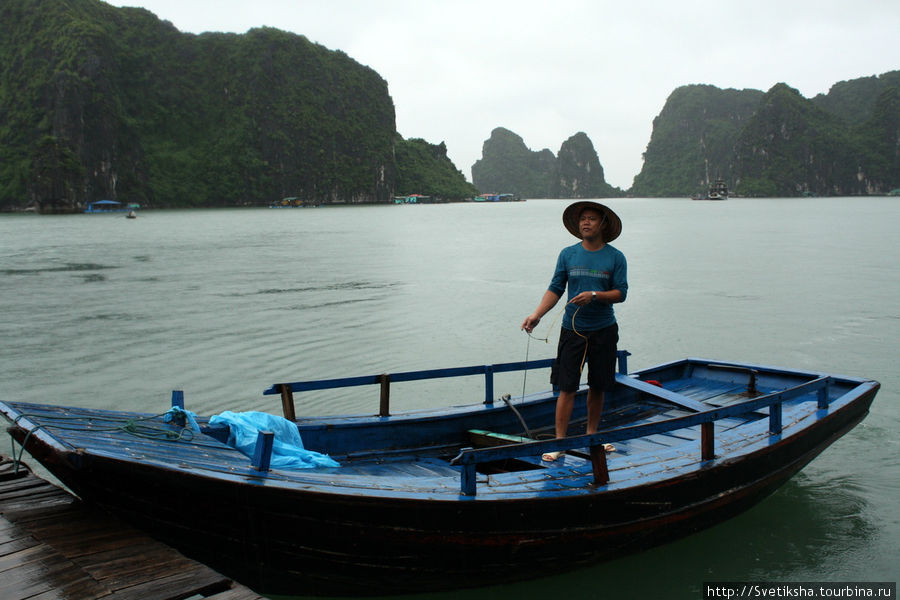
{"x": 600, "y": 362}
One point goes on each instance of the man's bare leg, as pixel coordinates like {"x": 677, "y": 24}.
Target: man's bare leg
{"x": 594, "y": 410}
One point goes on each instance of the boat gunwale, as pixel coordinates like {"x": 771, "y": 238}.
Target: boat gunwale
{"x": 471, "y": 457}
{"x": 357, "y": 488}
{"x": 244, "y": 472}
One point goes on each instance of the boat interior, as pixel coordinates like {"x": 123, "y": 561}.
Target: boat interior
{"x": 499, "y": 435}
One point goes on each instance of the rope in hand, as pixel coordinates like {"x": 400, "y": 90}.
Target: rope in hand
{"x": 547, "y": 340}
{"x": 528, "y": 346}
{"x": 549, "y": 328}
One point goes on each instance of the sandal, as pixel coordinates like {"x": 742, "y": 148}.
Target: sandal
{"x": 552, "y": 456}
{"x": 609, "y": 447}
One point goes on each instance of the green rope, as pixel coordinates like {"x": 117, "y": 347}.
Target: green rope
{"x": 132, "y": 426}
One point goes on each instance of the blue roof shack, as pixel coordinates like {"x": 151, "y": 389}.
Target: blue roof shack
{"x": 104, "y": 206}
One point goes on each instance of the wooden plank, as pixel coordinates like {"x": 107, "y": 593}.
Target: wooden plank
{"x": 43, "y": 571}
{"x": 661, "y": 393}
{"x": 19, "y": 552}
{"x": 232, "y": 594}
{"x": 487, "y": 439}
{"x": 11, "y": 469}
{"x": 598, "y": 465}
{"x": 53, "y": 546}
{"x": 708, "y": 441}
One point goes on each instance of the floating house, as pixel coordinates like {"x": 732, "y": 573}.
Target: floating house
{"x": 104, "y": 206}
{"x": 412, "y": 199}
{"x": 496, "y": 198}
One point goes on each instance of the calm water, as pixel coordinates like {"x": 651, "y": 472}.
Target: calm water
{"x": 108, "y": 312}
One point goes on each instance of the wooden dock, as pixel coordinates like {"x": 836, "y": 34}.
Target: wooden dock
{"x": 54, "y": 546}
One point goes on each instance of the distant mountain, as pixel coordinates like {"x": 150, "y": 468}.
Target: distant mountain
{"x": 98, "y": 102}
{"x": 507, "y": 165}
{"x": 579, "y": 172}
{"x": 776, "y": 143}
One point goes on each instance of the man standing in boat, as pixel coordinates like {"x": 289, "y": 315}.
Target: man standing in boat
{"x": 595, "y": 274}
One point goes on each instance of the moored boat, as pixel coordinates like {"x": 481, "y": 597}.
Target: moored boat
{"x": 453, "y": 497}
{"x": 718, "y": 190}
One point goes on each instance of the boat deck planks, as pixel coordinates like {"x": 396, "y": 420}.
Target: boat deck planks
{"x": 52, "y": 546}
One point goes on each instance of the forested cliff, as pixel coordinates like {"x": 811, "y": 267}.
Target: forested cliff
{"x": 98, "y": 102}
{"x": 777, "y": 143}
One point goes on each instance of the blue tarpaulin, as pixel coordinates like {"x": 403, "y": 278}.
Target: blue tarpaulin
{"x": 287, "y": 451}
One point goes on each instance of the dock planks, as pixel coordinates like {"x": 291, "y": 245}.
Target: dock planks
{"x": 53, "y": 546}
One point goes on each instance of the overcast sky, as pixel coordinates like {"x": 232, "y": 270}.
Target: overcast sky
{"x": 456, "y": 69}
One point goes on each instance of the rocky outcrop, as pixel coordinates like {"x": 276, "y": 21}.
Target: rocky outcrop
{"x": 507, "y": 165}
{"x": 579, "y": 172}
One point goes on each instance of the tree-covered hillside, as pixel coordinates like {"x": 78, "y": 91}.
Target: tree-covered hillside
{"x": 102, "y": 102}
{"x": 425, "y": 169}
{"x": 776, "y": 143}
{"x": 791, "y": 147}
{"x": 692, "y": 140}
{"x": 854, "y": 100}
{"x": 98, "y": 102}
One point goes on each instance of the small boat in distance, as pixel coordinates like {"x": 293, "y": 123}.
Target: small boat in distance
{"x": 718, "y": 190}
{"x": 131, "y": 215}
{"x": 450, "y": 497}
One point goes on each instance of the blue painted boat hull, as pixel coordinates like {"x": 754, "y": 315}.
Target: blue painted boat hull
{"x": 399, "y": 522}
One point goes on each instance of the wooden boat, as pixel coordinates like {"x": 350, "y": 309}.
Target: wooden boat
{"x": 456, "y": 497}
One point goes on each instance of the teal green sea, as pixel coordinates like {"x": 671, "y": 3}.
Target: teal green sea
{"x": 99, "y": 310}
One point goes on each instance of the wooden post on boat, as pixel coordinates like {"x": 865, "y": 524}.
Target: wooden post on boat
{"x": 262, "y": 455}
{"x": 775, "y": 418}
{"x": 287, "y": 402}
{"x": 177, "y": 415}
{"x": 467, "y": 481}
{"x": 823, "y": 394}
{"x": 707, "y": 441}
{"x": 384, "y": 408}
{"x": 598, "y": 464}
